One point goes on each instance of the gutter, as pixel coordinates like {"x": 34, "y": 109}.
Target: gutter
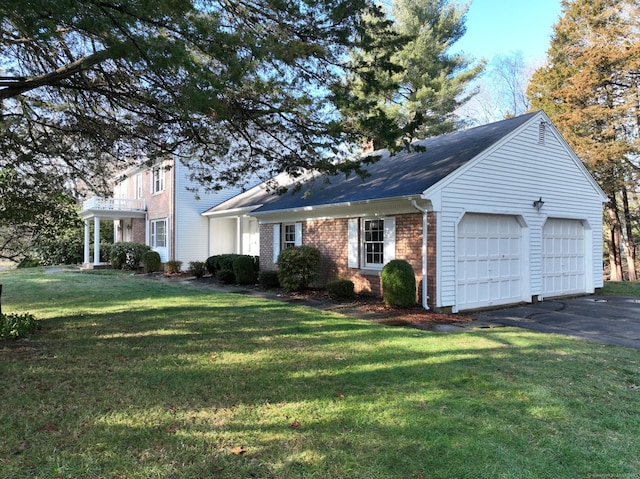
{"x": 425, "y": 225}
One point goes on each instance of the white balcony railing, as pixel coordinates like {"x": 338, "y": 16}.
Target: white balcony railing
{"x": 114, "y": 204}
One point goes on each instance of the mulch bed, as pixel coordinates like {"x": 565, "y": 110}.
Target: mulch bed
{"x": 374, "y": 306}
{"x": 371, "y": 307}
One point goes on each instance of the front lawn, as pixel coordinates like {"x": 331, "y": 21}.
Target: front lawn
{"x": 133, "y": 378}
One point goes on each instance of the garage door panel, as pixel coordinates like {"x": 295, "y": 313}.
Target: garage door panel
{"x": 563, "y": 257}
{"x": 489, "y": 264}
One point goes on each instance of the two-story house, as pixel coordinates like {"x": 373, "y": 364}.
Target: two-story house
{"x": 159, "y": 206}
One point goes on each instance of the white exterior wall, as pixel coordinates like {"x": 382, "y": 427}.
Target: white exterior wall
{"x": 506, "y": 180}
{"x": 192, "y": 230}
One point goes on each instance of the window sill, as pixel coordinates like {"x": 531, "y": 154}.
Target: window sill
{"x": 370, "y": 272}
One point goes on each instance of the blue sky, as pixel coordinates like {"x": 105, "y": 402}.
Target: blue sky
{"x": 501, "y": 27}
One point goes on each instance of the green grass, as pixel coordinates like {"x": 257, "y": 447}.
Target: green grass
{"x": 621, "y": 288}
{"x": 131, "y": 378}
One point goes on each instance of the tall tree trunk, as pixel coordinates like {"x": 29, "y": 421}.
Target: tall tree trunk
{"x": 630, "y": 244}
{"x": 615, "y": 229}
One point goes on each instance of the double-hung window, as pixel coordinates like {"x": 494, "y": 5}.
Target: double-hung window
{"x": 285, "y": 236}
{"x": 157, "y": 180}
{"x": 288, "y": 236}
{"x": 159, "y": 233}
{"x": 138, "y": 186}
{"x": 372, "y": 242}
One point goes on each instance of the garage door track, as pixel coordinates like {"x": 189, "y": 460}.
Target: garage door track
{"x": 604, "y": 319}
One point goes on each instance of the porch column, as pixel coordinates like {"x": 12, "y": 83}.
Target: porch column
{"x": 239, "y": 232}
{"x": 87, "y": 242}
{"x": 96, "y": 240}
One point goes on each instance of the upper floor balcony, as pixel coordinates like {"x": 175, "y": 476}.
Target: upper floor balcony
{"x": 113, "y": 208}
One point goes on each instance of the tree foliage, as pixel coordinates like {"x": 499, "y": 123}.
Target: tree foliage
{"x": 589, "y": 88}
{"x": 421, "y": 95}
{"x": 232, "y": 88}
{"x": 33, "y": 211}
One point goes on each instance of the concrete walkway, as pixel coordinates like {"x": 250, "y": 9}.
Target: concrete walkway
{"x": 603, "y": 319}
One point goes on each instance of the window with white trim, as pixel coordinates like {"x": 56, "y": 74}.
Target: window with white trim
{"x": 373, "y": 242}
{"x": 285, "y": 236}
{"x": 157, "y": 180}
{"x": 288, "y": 236}
{"x": 159, "y": 233}
{"x": 138, "y": 186}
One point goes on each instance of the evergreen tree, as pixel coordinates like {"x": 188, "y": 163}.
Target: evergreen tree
{"x": 232, "y": 88}
{"x": 589, "y": 88}
{"x": 419, "y": 97}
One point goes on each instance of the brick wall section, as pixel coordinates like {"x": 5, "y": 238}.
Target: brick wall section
{"x": 266, "y": 248}
{"x": 330, "y": 237}
{"x": 431, "y": 259}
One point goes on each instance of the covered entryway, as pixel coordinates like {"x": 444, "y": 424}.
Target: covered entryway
{"x": 563, "y": 257}
{"x": 489, "y": 261}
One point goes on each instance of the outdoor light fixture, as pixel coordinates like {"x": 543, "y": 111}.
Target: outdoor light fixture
{"x": 129, "y": 225}
{"x": 537, "y": 204}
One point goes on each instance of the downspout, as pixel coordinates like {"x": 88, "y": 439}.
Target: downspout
{"x": 425, "y": 224}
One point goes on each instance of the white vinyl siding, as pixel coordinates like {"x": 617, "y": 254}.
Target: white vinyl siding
{"x": 506, "y": 179}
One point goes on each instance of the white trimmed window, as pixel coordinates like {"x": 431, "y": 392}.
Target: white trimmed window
{"x": 157, "y": 180}
{"x": 138, "y": 186}
{"x": 289, "y": 236}
{"x": 372, "y": 242}
{"x": 159, "y": 233}
{"x": 285, "y": 236}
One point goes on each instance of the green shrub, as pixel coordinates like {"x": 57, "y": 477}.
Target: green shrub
{"x": 211, "y": 264}
{"x": 226, "y": 276}
{"x": 197, "y": 268}
{"x": 269, "y": 279}
{"x": 298, "y": 267}
{"x": 127, "y": 255}
{"x": 398, "y": 284}
{"x": 244, "y": 267}
{"x": 13, "y": 326}
{"x": 29, "y": 263}
{"x": 151, "y": 261}
{"x": 173, "y": 266}
{"x": 341, "y": 288}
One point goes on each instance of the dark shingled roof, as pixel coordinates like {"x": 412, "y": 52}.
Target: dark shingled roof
{"x": 401, "y": 175}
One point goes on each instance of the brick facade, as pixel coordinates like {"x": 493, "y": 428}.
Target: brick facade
{"x": 330, "y": 236}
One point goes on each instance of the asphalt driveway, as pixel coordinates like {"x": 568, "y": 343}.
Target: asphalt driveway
{"x": 604, "y": 319}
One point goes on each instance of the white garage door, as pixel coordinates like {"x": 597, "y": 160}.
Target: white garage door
{"x": 489, "y": 264}
{"x": 563, "y": 270}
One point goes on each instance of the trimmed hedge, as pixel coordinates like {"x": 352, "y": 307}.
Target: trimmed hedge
{"x": 244, "y": 268}
{"x": 341, "y": 288}
{"x": 398, "y": 284}
{"x": 151, "y": 261}
{"x": 173, "y": 266}
{"x": 269, "y": 279}
{"x": 298, "y": 267}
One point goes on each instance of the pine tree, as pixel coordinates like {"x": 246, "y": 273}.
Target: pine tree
{"x": 420, "y": 97}
{"x": 589, "y": 88}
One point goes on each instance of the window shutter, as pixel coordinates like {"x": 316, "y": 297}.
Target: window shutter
{"x": 389, "y": 239}
{"x": 298, "y": 239}
{"x": 276, "y": 242}
{"x": 353, "y": 257}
